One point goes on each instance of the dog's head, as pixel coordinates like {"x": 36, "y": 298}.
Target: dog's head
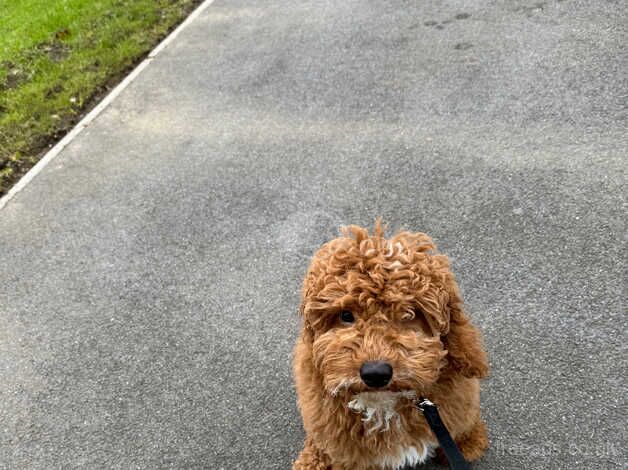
{"x": 386, "y": 314}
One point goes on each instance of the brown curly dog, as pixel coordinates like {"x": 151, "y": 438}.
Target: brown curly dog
{"x": 382, "y": 325}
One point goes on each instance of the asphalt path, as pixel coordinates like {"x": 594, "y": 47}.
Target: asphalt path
{"x": 149, "y": 275}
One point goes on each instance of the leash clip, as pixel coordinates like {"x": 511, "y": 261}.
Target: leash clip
{"x": 423, "y": 403}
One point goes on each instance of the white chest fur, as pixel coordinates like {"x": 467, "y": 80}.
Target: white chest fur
{"x": 378, "y": 414}
{"x": 407, "y": 457}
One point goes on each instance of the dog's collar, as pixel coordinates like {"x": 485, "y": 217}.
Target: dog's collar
{"x": 430, "y": 411}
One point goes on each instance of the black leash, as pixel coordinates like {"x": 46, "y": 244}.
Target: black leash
{"x": 455, "y": 458}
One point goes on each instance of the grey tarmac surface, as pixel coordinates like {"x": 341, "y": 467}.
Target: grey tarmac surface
{"x": 150, "y": 274}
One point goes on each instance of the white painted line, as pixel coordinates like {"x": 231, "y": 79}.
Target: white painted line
{"x": 89, "y": 117}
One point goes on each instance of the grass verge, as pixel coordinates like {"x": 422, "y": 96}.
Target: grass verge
{"x": 59, "y": 57}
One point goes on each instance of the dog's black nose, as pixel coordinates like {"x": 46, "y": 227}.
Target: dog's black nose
{"x": 376, "y": 373}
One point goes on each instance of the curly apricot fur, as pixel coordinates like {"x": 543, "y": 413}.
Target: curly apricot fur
{"x": 408, "y": 312}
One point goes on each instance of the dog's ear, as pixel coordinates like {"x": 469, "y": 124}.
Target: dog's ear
{"x": 463, "y": 341}
{"x": 307, "y": 333}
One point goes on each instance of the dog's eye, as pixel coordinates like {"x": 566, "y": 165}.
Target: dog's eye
{"x": 408, "y": 316}
{"x": 416, "y": 320}
{"x": 413, "y": 315}
{"x": 347, "y": 317}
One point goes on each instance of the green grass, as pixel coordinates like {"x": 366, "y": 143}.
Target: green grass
{"x": 58, "y": 56}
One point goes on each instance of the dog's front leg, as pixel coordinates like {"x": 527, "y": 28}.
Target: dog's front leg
{"x": 474, "y": 442}
{"x": 312, "y": 458}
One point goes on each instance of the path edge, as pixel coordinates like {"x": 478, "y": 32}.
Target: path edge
{"x": 100, "y": 107}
